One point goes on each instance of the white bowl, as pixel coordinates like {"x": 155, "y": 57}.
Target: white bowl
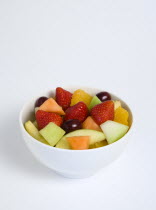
{"x": 72, "y": 163}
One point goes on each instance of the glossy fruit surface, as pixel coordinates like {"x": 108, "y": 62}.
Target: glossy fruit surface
{"x": 40, "y": 101}
{"x": 44, "y": 118}
{"x": 79, "y": 111}
{"x": 71, "y": 125}
{"x": 103, "y": 96}
{"x": 63, "y": 97}
{"x": 103, "y": 112}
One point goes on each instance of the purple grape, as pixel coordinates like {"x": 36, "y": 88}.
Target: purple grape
{"x": 103, "y": 96}
{"x": 71, "y": 125}
{"x": 40, "y": 101}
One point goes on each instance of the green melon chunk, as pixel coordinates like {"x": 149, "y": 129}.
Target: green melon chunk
{"x": 52, "y": 133}
{"x": 95, "y": 100}
{"x": 113, "y": 130}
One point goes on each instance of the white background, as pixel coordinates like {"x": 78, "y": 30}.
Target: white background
{"x": 105, "y": 44}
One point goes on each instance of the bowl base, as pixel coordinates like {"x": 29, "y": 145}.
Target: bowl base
{"x": 74, "y": 176}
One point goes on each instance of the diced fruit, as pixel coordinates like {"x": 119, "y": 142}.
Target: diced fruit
{"x": 79, "y": 111}
{"x": 103, "y": 96}
{"x": 117, "y": 104}
{"x": 40, "y": 101}
{"x": 78, "y": 142}
{"x": 78, "y": 121}
{"x": 63, "y": 97}
{"x": 81, "y": 95}
{"x": 50, "y": 105}
{"x": 95, "y": 100}
{"x": 36, "y": 109}
{"x": 52, "y": 133}
{"x": 35, "y": 124}
{"x": 121, "y": 115}
{"x": 89, "y": 123}
{"x": 71, "y": 125}
{"x": 95, "y": 136}
{"x": 43, "y": 118}
{"x": 33, "y": 131}
{"x": 113, "y": 130}
{"x": 98, "y": 144}
{"x": 103, "y": 112}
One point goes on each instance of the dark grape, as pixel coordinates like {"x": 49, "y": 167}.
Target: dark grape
{"x": 71, "y": 125}
{"x": 103, "y": 96}
{"x": 40, "y": 101}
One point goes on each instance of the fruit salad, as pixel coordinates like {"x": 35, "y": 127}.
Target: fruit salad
{"x": 78, "y": 120}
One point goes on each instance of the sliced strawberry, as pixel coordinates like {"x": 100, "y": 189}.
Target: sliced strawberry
{"x": 103, "y": 112}
{"x": 44, "y": 118}
{"x": 79, "y": 111}
{"x": 63, "y": 97}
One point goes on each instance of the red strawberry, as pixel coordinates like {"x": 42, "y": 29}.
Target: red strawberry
{"x": 103, "y": 112}
{"x": 63, "y": 97}
{"x": 79, "y": 111}
{"x": 44, "y": 118}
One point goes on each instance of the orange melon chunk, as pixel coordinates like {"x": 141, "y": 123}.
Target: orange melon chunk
{"x": 89, "y": 123}
{"x": 78, "y": 142}
{"x": 50, "y": 105}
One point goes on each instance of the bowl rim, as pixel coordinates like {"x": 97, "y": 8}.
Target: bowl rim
{"x": 68, "y": 150}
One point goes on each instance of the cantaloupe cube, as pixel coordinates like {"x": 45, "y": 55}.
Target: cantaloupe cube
{"x": 50, "y": 105}
{"x": 78, "y": 142}
{"x": 89, "y": 123}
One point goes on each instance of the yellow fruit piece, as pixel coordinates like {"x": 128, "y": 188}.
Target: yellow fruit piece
{"x": 33, "y": 131}
{"x": 80, "y": 95}
{"x": 35, "y": 124}
{"x": 121, "y": 116}
{"x": 98, "y": 144}
{"x": 117, "y": 104}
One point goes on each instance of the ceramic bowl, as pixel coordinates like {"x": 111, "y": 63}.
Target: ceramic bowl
{"x": 73, "y": 163}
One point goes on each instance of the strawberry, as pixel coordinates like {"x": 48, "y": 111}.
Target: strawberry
{"x": 63, "y": 97}
{"x": 44, "y": 118}
{"x": 79, "y": 111}
{"x": 103, "y": 112}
